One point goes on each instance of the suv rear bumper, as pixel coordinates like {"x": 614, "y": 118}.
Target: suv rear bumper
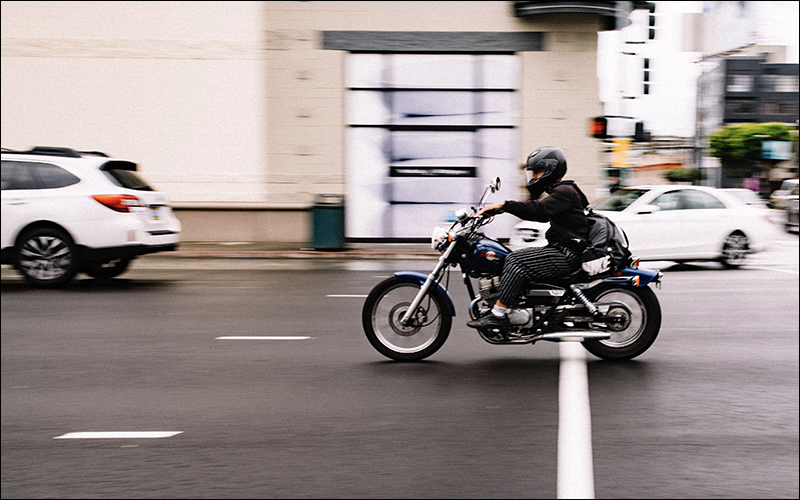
{"x": 107, "y": 254}
{"x": 101, "y": 255}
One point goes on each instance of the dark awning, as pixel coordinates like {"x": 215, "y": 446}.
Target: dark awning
{"x": 614, "y": 14}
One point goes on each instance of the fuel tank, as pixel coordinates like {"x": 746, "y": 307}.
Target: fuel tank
{"x": 487, "y": 256}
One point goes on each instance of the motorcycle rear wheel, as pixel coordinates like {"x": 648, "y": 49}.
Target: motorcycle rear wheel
{"x": 385, "y": 306}
{"x": 641, "y": 326}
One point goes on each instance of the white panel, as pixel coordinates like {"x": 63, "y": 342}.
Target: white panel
{"x": 433, "y": 71}
{"x": 365, "y": 70}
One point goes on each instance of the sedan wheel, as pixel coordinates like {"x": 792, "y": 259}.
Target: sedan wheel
{"x": 47, "y": 257}
{"x": 734, "y": 250}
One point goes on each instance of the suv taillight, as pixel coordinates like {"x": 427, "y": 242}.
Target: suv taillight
{"x": 118, "y": 202}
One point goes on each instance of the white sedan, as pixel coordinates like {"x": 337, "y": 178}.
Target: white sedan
{"x": 677, "y": 223}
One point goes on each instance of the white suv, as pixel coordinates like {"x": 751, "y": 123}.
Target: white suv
{"x": 66, "y": 211}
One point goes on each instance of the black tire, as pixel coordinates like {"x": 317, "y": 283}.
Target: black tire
{"x": 384, "y": 307}
{"x": 47, "y": 257}
{"x": 735, "y": 250}
{"x": 639, "y": 334}
{"x": 107, "y": 270}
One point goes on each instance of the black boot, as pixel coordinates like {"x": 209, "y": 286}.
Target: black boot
{"x": 491, "y": 322}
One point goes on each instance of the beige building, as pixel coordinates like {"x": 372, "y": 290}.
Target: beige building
{"x": 243, "y": 112}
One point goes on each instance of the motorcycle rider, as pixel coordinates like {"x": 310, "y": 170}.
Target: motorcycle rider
{"x": 564, "y": 209}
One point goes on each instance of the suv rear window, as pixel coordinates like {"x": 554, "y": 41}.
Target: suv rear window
{"x": 127, "y": 179}
{"x": 30, "y": 175}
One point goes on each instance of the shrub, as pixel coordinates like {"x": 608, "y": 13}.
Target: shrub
{"x": 684, "y": 175}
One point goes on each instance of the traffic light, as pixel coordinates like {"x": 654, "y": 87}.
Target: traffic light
{"x": 646, "y": 76}
{"x": 598, "y": 127}
{"x": 651, "y": 32}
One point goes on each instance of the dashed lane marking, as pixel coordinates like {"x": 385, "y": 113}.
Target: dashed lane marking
{"x": 118, "y": 435}
{"x": 262, "y": 337}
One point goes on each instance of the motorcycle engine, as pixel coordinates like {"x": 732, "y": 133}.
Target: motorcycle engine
{"x": 489, "y": 289}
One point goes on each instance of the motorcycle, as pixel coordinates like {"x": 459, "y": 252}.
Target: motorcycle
{"x": 408, "y": 316}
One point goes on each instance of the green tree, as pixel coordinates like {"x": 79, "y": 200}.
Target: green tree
{"x": 739, "y": 147}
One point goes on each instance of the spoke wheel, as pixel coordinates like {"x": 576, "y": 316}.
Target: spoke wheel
{"x": 634, "y": 330}
{"x": 47, "y": 257}
{"x": 384, "y": 309}
{"x": 734, "y": 250}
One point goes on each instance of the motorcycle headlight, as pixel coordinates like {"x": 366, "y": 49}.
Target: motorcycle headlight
{"x": 439, "y": 237}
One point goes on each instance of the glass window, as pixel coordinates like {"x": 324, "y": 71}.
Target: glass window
{"x": 669, "y": 201}
{"x": 444, "y": 71}
{"x": 51, "y": 177}
{"x": 619, "y": 200}
{"x": 31, "y": 175}
{"x": 425, "y": 130}
{"x": 420, "y": 148}
{"x": 699, "y": 200}
{"x": 127, "y": 179}
{"x": 434, "y": 108}
{"x": 740, "y": 83}
{"x": 779, "y": 83}
{"x": 741, "y": 106}
{"x": 16, "y": 175}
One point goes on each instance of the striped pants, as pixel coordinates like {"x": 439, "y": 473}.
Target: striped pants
{"x": 533, "y": 264}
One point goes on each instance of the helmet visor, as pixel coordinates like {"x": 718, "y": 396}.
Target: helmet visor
{"x": 539, "y": 169}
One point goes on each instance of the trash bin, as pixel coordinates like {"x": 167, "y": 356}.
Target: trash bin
{"x": 327, "y": 222}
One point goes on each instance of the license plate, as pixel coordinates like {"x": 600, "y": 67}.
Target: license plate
{"x": 155, "y": 214}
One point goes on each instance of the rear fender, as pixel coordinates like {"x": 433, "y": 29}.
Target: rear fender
{"x": 436, "y": 288}
{"x": 646, "y": 276}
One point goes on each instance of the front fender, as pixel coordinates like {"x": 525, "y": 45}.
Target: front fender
{"x": 436, "y": 288}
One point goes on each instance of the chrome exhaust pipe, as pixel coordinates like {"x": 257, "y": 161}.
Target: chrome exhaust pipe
{"x": 573, "y": 336}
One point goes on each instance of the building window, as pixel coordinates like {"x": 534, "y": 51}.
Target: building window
{"x": 740, "y": 83}
{"x": 426, "y": 132}
{"x": 779, "y": 83}
{"x": 779, "y": 107}
{"x": 741, "y": 107}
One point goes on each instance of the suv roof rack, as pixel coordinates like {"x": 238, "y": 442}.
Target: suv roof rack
{"x": 57, "y": 151}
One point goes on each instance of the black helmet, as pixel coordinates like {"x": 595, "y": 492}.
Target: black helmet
{"x": 549, "y": 160}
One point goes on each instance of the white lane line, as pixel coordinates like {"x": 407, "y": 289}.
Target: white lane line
{"x": 118, "y": 435}
{"x": 575, "y": 476}
{"x": 256, "y": 337}
{"x": 348, "y": 296}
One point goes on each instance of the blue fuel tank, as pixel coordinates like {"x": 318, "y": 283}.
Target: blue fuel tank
{"x": 487, "y": 256}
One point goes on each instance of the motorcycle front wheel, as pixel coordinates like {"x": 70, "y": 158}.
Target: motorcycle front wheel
{"x": 636, "y": 328}
{"x": 426, "y": 331}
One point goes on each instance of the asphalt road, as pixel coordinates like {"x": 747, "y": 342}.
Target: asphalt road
{"x": 710, "y": 411}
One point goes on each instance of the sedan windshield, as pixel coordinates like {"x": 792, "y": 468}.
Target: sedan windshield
{"x": 619, "y": 200}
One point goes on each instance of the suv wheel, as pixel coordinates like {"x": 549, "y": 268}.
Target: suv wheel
{"x": 47, "y": 257}
{"x": 107, "y": 270}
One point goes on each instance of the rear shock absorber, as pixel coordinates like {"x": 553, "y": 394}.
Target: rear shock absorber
{"x": 586, "y": 302}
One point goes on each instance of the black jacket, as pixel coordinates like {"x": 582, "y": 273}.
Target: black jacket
{"x": 563, "y": 208}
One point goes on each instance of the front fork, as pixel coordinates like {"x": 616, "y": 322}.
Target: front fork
{"x": 432, "y": 277}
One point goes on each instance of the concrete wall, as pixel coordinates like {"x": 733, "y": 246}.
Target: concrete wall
{"x": 235, "y": 106}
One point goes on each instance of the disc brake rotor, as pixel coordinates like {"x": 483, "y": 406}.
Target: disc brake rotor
{"x": 414, "y": 323}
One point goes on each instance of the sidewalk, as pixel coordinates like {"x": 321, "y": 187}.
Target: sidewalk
{"x": 273, "y": 250}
